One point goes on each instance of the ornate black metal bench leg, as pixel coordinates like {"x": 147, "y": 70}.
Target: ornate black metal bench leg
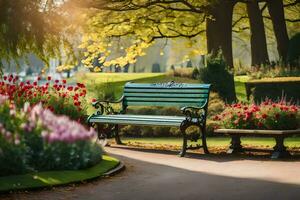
{"x": 235, "y": 146}
{"x": 204, "y": 140}
{"x": 184, "y": 142}
{"x": 279, "y": 149}
{"x": 102, "y": 136}
{"x": 117, "y": 136}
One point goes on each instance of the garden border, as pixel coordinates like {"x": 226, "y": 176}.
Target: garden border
{"x": 107, "y": 167}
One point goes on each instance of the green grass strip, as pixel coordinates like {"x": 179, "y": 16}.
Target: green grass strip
{"x": 291, "y": 142}
{"x": 53, "y": 178}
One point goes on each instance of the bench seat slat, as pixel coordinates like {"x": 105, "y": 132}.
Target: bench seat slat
{"x": 169, "y": 90}
{"x": 152, "y": 103}
{"x": 156, "y": 99}
{"x": 139, "y": 119}
{"x": 167, "y": 95}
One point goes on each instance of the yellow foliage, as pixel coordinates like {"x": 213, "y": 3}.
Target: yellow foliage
{"x": 65, "y": 67}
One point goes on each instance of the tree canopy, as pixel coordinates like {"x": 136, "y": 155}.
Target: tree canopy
{"x": 31, "y": 26}
{"x": 129, "y": 26}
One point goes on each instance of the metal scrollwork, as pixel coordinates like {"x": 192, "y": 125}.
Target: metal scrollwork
{"x": 103, "y": 108}
{"x": 194, "y": 115}
{"x": 105, "y": 131}
{"x": 169, "y": 84}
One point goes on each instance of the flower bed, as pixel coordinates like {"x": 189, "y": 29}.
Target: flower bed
{"x": 54, "y": 95}
{"x": 266, "y": 116}
{"x": 33, "y": 138}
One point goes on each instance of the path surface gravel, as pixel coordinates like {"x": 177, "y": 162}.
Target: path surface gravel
{"x": 156, "y": 175}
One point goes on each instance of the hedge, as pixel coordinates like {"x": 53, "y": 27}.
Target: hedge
{"x": 274, "y": 88}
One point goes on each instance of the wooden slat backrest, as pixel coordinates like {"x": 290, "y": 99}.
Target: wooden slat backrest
{"x": 165, "y": 94}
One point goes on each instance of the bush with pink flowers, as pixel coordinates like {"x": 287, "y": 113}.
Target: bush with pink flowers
{"x": 35, "y": 139}
{"x": 267, "y": 116}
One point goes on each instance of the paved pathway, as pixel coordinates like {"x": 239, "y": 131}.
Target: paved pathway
{"x": 157, "y": 175}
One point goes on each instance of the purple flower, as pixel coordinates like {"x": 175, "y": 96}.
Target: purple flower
{"x": 59, "y": 128}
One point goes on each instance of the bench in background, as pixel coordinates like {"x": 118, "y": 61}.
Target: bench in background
{"x": 279, "y": 150}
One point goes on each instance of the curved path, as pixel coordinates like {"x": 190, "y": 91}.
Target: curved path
{"x": 158, "y": 175}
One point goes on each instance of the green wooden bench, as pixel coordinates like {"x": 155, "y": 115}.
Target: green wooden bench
{"x": 192, "y": 99}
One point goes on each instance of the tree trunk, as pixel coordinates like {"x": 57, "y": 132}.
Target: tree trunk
{"x": 219, "y": 36}
{"x": 259, "y": 51}
{"x": 219, "y": 30}
{"x": 276, "y": 11}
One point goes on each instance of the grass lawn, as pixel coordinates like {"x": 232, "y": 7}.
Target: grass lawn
{"x": 51, "y": 178}
{"x": 98, "y": 78}
{"x": 240, "y": 87}
{"x": 215, "y": 141}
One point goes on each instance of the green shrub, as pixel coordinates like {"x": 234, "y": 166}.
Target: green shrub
{"x": 294, "y": 51}
{"x": 274, "y": 89}
{"x": 196, "y": 73}
{"x": 61, "y": 155}
{"x": 104, "y": 91}
{"x": 12, "y": 148}
{"x": 12, "y": 158}
{"x": 189, "y": 64}
{"x": 217, "y": 74}
{"x": 272, "y": 71}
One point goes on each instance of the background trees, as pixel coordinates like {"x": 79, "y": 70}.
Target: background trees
{"x": 146, "y": 21}
{"x": 32, "y": 27}
{"x": 142, "y": 22}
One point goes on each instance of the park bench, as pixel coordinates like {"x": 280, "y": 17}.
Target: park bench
{"x": 192, "y": 99}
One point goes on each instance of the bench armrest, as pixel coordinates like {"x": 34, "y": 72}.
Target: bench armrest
{"x": 105, "y": 107}
{"x": 192, "y": 107}
{"x": 193, "y": 112}
{"x": 94, "y": 104}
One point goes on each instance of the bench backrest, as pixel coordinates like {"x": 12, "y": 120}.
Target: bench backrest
{"x": 166, "y": 94}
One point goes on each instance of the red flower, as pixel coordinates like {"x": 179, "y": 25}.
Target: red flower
{"x": 4, "y": 78}
{"x": 80, "y": 85}
{"x": 49, "y": 78}
{"x": 70, "y": 88}
{"x": 56, "y": 81}
{"x": 39, "y": 78}
{"x": 264, "y": 116}
{"x": 64, "y": 81}
{"x": 77, "y": 103}
{"x": 259, "y": 124}
{"x": 35, "y": 83}
{"x": 215, "y": 118}
{"x": 94, "y": 100}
